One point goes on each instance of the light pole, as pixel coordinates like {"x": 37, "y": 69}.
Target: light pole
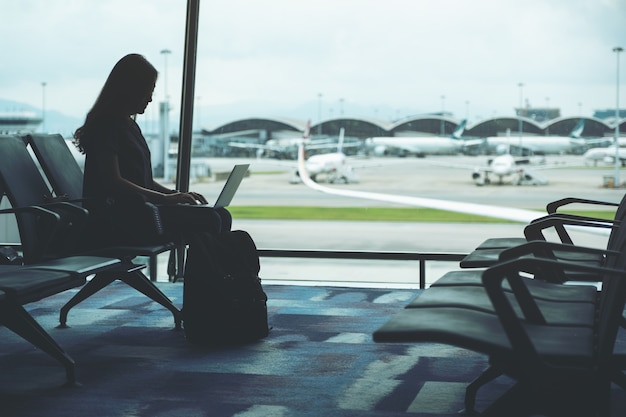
{"x": 319, "y": 114}
{"x": 521, "y": 104}
{"x": 617, "y": 50}
{"x": 443, "y": 110}
{"x": 43, "y": 106}
{"x": 547, "y": 116}
{"x": 165, "y": 114}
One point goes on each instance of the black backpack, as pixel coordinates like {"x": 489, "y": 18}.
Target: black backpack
{"x": 223, "y": 300}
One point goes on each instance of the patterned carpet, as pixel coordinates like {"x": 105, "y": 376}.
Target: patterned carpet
{"x": 319, "y": 360}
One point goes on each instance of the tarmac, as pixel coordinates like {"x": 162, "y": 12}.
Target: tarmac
{"x": 436, "y": 177}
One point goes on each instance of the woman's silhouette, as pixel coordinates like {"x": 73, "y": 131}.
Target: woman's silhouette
{"x": 118, "y": 176}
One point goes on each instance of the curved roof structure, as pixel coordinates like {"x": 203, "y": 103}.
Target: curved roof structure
{"x": 354, "y": 127}
{"x": 499, "y": 125}
{"x": 268, "y": 125}
{"x": 419, "y": 126}
{"x": 424, "y": 124}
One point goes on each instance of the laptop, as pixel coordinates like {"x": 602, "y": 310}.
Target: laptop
{"x": 231, "y": 186}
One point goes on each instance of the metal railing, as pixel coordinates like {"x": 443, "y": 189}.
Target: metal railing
{"x": 422, "y": 258}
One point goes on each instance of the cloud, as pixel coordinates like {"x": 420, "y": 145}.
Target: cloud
{"x": 403, "y": 54}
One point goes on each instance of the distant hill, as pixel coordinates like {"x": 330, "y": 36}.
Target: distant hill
{"x": 55, "y": 121}
{"x": 16, "y": 106}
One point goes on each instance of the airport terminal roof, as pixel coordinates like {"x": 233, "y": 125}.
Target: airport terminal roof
{"x": 420, "y": 125}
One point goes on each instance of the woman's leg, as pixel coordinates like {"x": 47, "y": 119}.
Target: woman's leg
{"x": 179, "y": 219}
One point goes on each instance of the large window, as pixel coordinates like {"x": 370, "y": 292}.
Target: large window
{"x": 277, "y": 69}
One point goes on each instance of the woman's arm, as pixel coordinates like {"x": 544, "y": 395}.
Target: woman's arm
{"x": 196, "y": 196}
{"x": 109, "y": 168}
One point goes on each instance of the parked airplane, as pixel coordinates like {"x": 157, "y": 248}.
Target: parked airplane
{"x": 508, "y": 166}
{"x": 287, "y": 148}
{"x": 334, "y": 166}
{"x": 540, "y": 145}
{"x": 606, "y": 155}
{"x": 422, "y": 145}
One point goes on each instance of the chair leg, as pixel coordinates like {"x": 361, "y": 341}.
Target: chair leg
{"x": 135, "y": 279}
{"x": 138, "y": 281}
{"x": 153, "y": 267}
{"x": 98, "y": 282}
{"x": 18, "y": 320}
{"x": 180, "y": 257}
{"x": 171, "y": 266}
{"x": 489, "y": 375}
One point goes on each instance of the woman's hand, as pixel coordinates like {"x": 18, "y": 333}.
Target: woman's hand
{"x": 198, "y": 197}
{"x": 184, "y": 198}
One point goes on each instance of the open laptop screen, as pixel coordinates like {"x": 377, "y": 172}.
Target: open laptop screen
{"x": 231, "y": 186}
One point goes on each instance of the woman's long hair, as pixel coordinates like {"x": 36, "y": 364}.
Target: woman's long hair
{"x": 129, "y": 82}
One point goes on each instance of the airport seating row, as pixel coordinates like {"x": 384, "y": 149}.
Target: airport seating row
{"x": 24, "y": 185}
{"x": 556, "y": 341}
{"x": 50, "y": 229}
{"x": 25, "y": 284}
{"x": 66, "y": 181}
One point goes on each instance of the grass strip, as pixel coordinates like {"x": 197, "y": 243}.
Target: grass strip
{"x": 387, "y": 214}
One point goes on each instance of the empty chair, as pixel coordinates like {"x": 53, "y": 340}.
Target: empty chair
{"x": 558, "y": 369}
{"x": 487, "y": 253}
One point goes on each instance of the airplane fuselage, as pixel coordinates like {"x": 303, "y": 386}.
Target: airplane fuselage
{"x": 420, "y": 145}
{"x": 606, "y": 155}
{"x": 537, "y": 144}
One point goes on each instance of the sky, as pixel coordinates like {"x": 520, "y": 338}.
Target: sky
{"x": 323, "y": 59}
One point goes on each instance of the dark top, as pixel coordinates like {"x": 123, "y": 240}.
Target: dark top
{"x": 126, "y": 140}
{"x": 114, "y": 217}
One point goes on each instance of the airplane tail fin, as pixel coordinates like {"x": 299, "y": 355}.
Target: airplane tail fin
{"x": 458, "y": 132}
{"x": 307, "y": 130}
{"x": 578, "y": 130}
{"x": 340, "y": 141}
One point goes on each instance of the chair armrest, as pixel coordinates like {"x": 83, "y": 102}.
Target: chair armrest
{"x": 48, "y": 223}
{"x": 540, "y": 247}
{"x": 72, "y": 226}
{"x": 49, "y": 215}
{"x": 67, "y": 208}
{"x": 560, "y": 229}
{"x": 575, "y": 217}
{"x": 64, "y": 199}
{"x": 534, "y": 230}
{"x": 545, "y": 250}
{"x": 553, "y": 206}
{"x": 60, "y": 240}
